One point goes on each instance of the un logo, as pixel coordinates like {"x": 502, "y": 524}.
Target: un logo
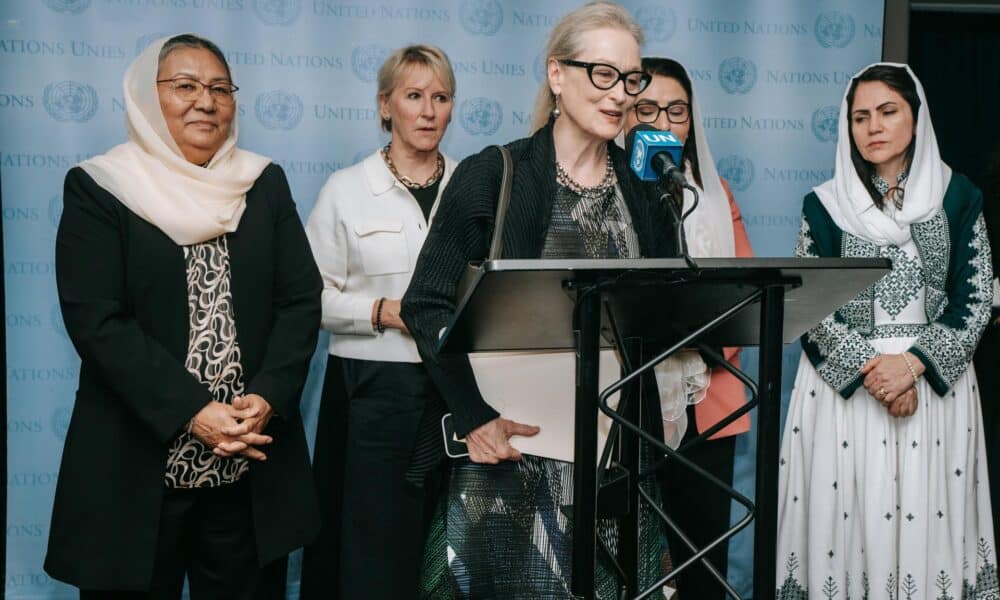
{"x": 278, "y": 109}
{"x": 824, "y": 123}
{"x": 480, "y": 116}
{"x": 277, "y": 12}
{"x": 481, "y": 17}
{"x": 55, "y": 210}
{"x": 70, "y": 7}
{"x": 834, "y": 29}
{"x": 70, "y": 101}
{"x": 60, "y": 421}
{"x": 144, "y": 41}
{"x": 737, "y": 170}
{"x": 737, "y": 75}
{"x": 658, "y": 21}
{"x": 56, "y": 318}
{"x": 366, "y": 61}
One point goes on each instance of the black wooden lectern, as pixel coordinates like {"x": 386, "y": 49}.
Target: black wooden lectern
{"x": 521, "y": 305}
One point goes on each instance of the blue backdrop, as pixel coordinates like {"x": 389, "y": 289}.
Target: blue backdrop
{"x": 769, "y": 74}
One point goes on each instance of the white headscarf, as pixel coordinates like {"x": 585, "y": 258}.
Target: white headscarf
{"x": 709, "y": 229}
{"x": 149, "y": 175}
{"x": 849, "y": 203}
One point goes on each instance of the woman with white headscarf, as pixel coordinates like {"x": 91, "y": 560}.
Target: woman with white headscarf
{"x": 883, "y": 485}
{"x": 715, "y": 229}
{"x": 188, "y": 288}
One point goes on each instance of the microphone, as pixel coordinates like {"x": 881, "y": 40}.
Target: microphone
{"x": 655, "y": 154}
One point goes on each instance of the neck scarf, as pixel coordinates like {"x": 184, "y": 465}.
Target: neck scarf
{"x": 149, "y": 175}
{"x": 848, "y": 202}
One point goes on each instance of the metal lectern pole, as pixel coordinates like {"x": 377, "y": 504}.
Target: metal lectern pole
{"x": 768, "y": 441}
{"x": 587, "y": 331}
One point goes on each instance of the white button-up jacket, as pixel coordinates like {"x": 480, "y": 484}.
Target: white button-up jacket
{"x": 366, "y": 231}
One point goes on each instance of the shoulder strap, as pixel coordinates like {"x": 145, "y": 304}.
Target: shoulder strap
{"x": 502, "y": 202}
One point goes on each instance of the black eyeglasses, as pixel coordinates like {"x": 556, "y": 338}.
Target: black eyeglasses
{"x": 605, "y": 77}
{"x": 189, "y": 90}
{"x": 647, "y": 111}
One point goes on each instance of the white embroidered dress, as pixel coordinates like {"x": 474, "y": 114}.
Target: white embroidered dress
{"x": 878, "y": 507}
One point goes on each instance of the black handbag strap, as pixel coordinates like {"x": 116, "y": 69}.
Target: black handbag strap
{"x": 502, "y": 201}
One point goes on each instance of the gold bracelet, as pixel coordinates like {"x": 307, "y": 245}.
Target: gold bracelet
{"x": 909, "y": 365}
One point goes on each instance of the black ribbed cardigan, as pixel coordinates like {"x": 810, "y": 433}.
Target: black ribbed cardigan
{"x": 462, "y": 230}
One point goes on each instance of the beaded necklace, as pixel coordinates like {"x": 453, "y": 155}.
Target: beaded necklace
{"x": 598, "y": 191}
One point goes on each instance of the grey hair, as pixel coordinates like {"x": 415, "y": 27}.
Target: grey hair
{"x": 564, "y": 43}
{"x": 190, "y": 40}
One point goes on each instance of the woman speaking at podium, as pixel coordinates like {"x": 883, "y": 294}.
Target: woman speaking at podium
{"x": 883, "y": 489}
{"x": 573, "y": 196}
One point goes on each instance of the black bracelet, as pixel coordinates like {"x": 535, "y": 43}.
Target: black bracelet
{"x": 378, "y": 316}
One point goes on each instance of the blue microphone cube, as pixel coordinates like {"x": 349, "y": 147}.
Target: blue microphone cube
{"x": 648, "y": 144}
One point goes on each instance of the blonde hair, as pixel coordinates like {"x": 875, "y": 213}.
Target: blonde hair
{"x": 564, "y": 43}
{"x": 396, "y": 63}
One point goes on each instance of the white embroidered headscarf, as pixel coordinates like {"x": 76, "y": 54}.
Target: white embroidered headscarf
{"x": 848, "y": 201}
{"x": 149, "y": 175}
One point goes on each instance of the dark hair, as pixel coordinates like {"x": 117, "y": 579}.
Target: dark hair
{"x": 899, "y": 81}
{"x": 667, "y": 67}
{"x": 189, "y": 40}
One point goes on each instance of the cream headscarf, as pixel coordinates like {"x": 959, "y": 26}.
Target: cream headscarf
{"x": 850, "y": 204}
{"x": 149, "y": 175}
{"x": 709, "y": 229}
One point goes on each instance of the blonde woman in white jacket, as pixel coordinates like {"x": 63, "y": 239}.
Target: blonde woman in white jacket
{"x": 366, "y": 232}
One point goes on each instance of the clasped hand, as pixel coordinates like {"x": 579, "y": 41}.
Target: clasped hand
{"x": 889, "y": 380}
{"x": 235, "y": 429}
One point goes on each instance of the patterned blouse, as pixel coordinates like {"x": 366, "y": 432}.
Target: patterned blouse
{"x": 213, "y": 358}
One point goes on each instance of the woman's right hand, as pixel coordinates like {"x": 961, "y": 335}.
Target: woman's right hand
{"x": 390, "y": 315}
{"x": 905, "y": 404}
{"x": 490, "y": 443}
{"x": 213, "y": 418}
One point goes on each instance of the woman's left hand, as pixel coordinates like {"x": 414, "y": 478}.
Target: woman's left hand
{"x": 887, "y": 376}
{"x": 254, "y": 413}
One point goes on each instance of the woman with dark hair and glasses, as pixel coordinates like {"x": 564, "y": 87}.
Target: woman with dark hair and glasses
{"x": 573, "y": 196}
{"x": 715, "y": 229}
{"x": 188, "y": 289}
{"x": 883, "y": 481}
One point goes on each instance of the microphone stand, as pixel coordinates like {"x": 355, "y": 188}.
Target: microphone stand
{"x": 679, "y": 220}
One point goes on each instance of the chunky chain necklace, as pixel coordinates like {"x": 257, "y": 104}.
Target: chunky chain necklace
{"x": 598, "y": 191}
{"x": 438, "y": 172}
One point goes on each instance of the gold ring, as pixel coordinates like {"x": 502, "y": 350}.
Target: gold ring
{"x": 881, "y": 392}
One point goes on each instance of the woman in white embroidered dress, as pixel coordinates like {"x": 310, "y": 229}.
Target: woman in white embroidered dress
{"x": 883, "y": 490}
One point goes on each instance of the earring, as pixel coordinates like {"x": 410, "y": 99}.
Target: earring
{"x": 555, "y": 111}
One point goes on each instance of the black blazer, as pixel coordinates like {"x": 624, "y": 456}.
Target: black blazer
{"x": 462, "y": 231}
{"x": 123, "y": 291}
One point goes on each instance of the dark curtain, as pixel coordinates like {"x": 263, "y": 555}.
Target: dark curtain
{"x": 955, "y": 56}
